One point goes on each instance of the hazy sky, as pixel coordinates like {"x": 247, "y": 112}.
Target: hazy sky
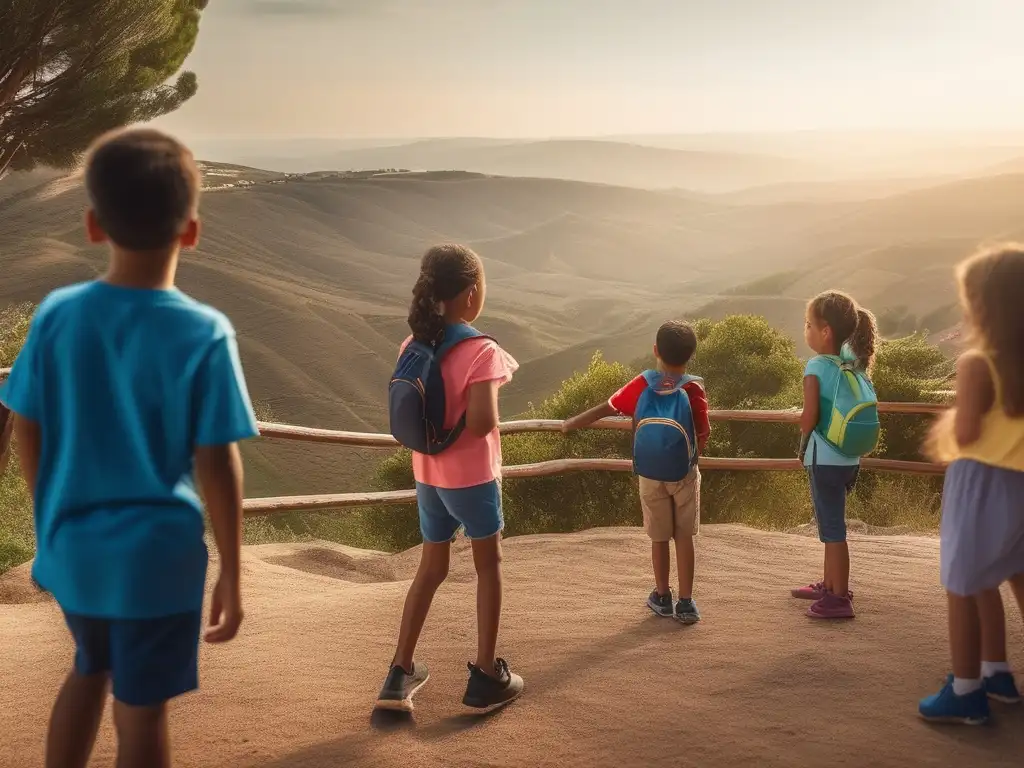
{"x": 511, "y": 68}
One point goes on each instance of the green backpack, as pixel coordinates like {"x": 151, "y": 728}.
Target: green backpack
{"x": 849, "y": 414}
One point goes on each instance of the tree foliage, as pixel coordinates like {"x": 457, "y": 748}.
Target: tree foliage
{"x": 72, "y": 69}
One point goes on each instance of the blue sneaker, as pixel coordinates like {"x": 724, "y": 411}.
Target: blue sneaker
{"x": 946, "y": 707}
{"x": 686, "y": 611}
{"x": 1002, "y": 687}
{"x": 660, "y": 604}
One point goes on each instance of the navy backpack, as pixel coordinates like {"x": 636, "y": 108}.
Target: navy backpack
{"x": 416, "y": 399}
{"x": 664, "y": 439}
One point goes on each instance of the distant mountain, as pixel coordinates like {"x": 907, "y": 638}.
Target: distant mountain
{"x": 602, "y": 162}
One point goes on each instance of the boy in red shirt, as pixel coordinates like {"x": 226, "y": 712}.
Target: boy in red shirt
{"x": 671, "y": 509}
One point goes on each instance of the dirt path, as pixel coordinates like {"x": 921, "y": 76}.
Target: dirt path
{"x": 608, "y": 684}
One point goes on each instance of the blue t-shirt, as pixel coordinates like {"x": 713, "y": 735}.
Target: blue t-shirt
{"x": 125, "y": 384}
{"x": 818, "y": 449}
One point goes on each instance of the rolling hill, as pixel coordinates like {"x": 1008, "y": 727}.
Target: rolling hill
{"x": 603, "y": 162}
{"x": 315, "y": 271}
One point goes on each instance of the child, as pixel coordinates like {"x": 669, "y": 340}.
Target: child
{"x": 834, "y": 327}
{"x": 670, "y": 501}
{"x": 122, "y": 384}
{"x": 982, "y": 533}
{"x": 461, "y": 486}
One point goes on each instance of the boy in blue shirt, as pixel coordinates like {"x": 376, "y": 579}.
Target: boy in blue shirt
{"x": 124, "y": 386}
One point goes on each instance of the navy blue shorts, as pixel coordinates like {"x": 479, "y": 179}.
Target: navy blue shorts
{"x": 444, "y": 510}
{"x": 149, "y": 660}
{"x": 830, "y": 485}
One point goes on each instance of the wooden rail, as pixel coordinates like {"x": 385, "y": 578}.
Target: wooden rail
{"x": 379, "y": 440}
{"x": 271, "y": 505}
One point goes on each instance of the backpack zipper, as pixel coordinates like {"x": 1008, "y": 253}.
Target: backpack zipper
{"x": 668, "y": 423}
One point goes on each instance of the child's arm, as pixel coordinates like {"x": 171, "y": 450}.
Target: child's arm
{"x": 219, "y": 471}
{"x": 811, "y": 411}
{"x": 29, "y": 439}
{"x": 223, "y": 416}
{"x": 975, "y": 394}
{"x": 482, "y": 408}
{"x": 701, "y": 420}
{"x": 585, "y": 419}
{"x": 961, "y": 425}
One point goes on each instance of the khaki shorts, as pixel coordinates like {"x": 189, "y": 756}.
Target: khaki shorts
{"x": 671, "y": 509}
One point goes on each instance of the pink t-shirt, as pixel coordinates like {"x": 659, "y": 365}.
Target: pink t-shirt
{"x": 470, "y": 460}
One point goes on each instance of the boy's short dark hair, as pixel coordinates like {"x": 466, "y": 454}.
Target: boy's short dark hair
{"x": 143, "y": 187}
{"x": 676, "y": 343}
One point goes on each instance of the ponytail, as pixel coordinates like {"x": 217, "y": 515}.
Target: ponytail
{"x": 425, "y": 317}
{"x": 445, "y": 272}
{"x": 851, "y": 324}
{"x": 864, "y": 338}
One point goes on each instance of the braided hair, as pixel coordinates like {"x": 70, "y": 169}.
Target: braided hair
{"x": 445, "y": 272}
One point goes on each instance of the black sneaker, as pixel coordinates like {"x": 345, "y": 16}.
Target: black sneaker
{"x": 484, "y": 691}
{"x": 660, "y": 604}
{"x": 686, "y": 611}
{"x": 401, "y": 686}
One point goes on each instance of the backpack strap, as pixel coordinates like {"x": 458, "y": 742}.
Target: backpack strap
{"x": 654, "y": 378}
{"x": 454, "y": 335}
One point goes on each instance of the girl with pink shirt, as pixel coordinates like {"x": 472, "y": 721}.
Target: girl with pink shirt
{"x": 461, "y": 486}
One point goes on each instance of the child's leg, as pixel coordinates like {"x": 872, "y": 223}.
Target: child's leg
{"x": 79, "y": 707}
{"x": 478, "y": 509}
{"x": 661, "y": 559}
{"x": 487, "y": 559}
{"x": 432, "y": 572}
{"x": 154, "y": 661}
{"x": 142, "y": 739}
{"x": 993, "y": 630}
{"x": 76, "y": 720}
{"x": 965, "y": 642}
{"x": 685, "y": 557}
{"x": 837, "y": 563}
{"x": 686, "y": 501}
{"x": 659, "y": 524}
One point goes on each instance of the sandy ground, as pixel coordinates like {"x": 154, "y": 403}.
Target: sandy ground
{"x": 608, "y": 684}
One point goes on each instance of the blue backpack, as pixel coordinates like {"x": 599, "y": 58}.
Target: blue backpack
{"x": 664, "y": 438}
{"x": 416, "y": 399}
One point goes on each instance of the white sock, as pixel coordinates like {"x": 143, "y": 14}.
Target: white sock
{"x": 990, "y": 668}
{"x": 963, "y": 686}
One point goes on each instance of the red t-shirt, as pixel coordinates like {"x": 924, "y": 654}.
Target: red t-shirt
{"x": 624, "y": 401}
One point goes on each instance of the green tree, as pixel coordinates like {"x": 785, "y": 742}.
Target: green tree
{"x": 72, "y": 69}
{"x": 748, "y": 365}
{"x": 908, "y": 370}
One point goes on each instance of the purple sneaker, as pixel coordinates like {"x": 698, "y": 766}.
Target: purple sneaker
{"x": 813, "y": 592}
{"x": 810, "y": 592}
{"x": 831, "y": 606}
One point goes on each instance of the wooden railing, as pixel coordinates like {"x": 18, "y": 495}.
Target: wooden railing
{"x": 272, "y": 505}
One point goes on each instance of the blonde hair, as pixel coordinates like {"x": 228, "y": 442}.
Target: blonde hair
{"x": 990, "y": 284}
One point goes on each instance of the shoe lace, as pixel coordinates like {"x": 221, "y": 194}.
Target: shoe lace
{"x": 501, "y": 668}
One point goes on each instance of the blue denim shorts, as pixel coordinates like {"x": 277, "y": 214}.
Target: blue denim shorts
{"x": 443, "y": 511}
{"x": 149, "y": 660}
{"x": 830, "y": 485}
